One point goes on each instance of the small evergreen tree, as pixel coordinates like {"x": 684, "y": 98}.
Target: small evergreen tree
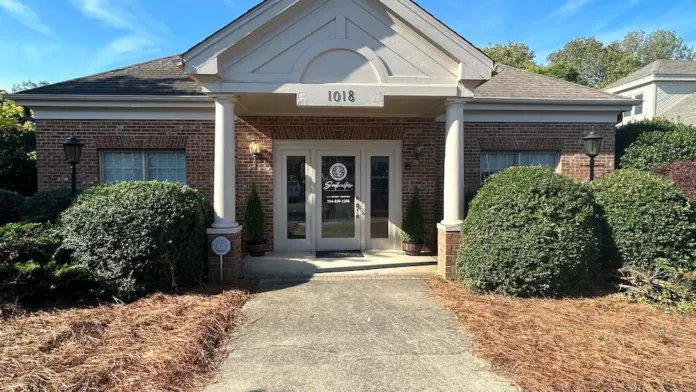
{"x": 254, "y": 217}
{"x": 412, "y": 228}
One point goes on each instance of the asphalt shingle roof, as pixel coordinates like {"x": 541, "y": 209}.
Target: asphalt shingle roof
{"x": 156, "y": 77}
{"x": 163, "y": 77}
{"x": 511, "y": 82}
{"x": 662, "y": 67}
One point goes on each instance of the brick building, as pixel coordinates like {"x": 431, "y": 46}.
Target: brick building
{"x": 353, "y": 104}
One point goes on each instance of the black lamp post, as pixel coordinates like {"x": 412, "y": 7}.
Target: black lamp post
{"x": 73, "y": 151}
{"x": 593, "y": 144}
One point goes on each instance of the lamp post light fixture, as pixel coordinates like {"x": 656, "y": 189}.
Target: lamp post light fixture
{"x": 593, "y": 144}
{"x": 73, "y": 152}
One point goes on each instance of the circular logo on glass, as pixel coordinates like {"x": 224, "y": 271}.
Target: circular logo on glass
{"x": 338, "y": 171}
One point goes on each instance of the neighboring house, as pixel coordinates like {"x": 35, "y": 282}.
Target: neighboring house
{"x": 336, "y": 93}
{"x": 666, "y": 87}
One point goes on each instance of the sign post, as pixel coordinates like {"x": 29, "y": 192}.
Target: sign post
{"x": 221, "y": 246}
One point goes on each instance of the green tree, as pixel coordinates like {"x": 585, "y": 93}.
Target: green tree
{"x": 514, "y": 54}
{"x": 17, "y": 148}
{"x": 27, "y": 85}
{"x": 657, "y": 45}
{"x": 587, "y": 55}
{"x": 559, "y": 70}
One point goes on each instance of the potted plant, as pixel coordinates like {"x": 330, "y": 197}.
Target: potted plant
{"x": 412, "y": 228}
{"x": 254, "y": 224}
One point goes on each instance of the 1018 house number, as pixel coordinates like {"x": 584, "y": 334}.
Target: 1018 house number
{"x": 342, "y": 96}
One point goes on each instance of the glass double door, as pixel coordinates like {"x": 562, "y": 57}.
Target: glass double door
{"x": 337, "y": 200}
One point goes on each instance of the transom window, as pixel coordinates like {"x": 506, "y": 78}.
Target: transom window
{"x": 143, "y": 165}
{"x": 494, "y": 162}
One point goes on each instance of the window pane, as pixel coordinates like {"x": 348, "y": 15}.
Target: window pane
{"x": 638, "y": 109}
{"x": 538, "y": 159}
{"x": 121, "y": 166}
{"x": 338, "y": 174}
{"x": 494, "y": 162}
{"x": 166, "y": 166}
{"x": 379, "y": 197}
{"x": 297, "y": 214}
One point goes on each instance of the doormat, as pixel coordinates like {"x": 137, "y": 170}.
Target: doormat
{"x": 338, "y": 254}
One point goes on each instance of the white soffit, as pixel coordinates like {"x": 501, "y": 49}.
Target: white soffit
{"x": 282, "y": 44}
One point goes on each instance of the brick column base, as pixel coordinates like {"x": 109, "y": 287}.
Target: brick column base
{"x": 448, "y": 241}
{"x": 231, "y": 262}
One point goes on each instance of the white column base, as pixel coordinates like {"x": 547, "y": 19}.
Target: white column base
{"x": 450, "y": 225}
{"x": 224, "y": 224}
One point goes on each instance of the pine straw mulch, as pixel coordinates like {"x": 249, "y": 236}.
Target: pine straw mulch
{"x": 602, "y": 344}
{"x": 160, "y": 343}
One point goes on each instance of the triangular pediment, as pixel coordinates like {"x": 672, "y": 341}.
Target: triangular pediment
{"x": 361, "y": 42}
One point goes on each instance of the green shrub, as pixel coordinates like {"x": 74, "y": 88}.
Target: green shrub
{"x": 11, "y": 206}
{"x": 647, "y": 218}
{"x": 34, "y": 268}
{"x": 652, "y": 149}
{"x": 47, "y": 205}
{"x": 139, "y": 237}
{"x": 628, "y": 134}
{"x": 254, "y": 218}
{"x": 413, "y": 228}
{"x": 530, "y": 231}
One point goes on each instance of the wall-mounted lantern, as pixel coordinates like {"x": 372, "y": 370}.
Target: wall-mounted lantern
{"x": 419, "y": 151}
{"x": 593, "y": 145}
{"x": 254, "y": 149}
{"x": 73, "y": 152}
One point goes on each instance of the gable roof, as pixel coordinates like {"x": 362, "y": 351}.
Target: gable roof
{"x": 659, "y": 67}
{"x": 511, "y": 82}
{"x": 162, "y": 77}
{"x": 155, "y": 77}
{"x": 201, "y": 58}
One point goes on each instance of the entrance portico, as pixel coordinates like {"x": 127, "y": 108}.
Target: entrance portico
{"x": 339, "y": 59}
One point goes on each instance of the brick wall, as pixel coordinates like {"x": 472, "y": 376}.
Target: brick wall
{"x": 197, "y": 139}
{"x": 565, "y": 138}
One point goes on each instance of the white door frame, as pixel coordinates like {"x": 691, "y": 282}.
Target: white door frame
{"x": 309, "y": 149}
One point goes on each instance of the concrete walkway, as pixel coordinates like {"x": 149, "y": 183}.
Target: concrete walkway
{"x": 335, "y": 334}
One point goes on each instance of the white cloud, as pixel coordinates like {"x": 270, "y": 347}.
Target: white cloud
{"x": 26, "y": 15}
{"x": 570, "y": 8}
{"x": 141, "y": 33}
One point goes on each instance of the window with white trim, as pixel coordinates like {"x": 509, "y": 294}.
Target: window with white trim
{"x": 638, "y": 109}
{"x": 494, "y": 162}
{"x": 143, "y": 165}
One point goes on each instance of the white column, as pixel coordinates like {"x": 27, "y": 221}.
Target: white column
{"x": 454, "y": 165}
{"x": 224, "y": 171}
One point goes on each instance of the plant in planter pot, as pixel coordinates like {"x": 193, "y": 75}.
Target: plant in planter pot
{"x": 254, "y": 224}
{"x": 412, "y": 228}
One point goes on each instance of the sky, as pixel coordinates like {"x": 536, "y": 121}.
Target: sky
{"x": 56, "y": 40}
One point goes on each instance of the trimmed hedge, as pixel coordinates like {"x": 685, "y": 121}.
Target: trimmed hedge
{"x": 627, "y": 134}
{"x": 140, "y": 237}
{"x": 647, "y": 219}
{"x": 47, "y": 205}
{"x": 530, "y": 231}
{"x": 652, "y": 149}
{"x": 11, "y": 207}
